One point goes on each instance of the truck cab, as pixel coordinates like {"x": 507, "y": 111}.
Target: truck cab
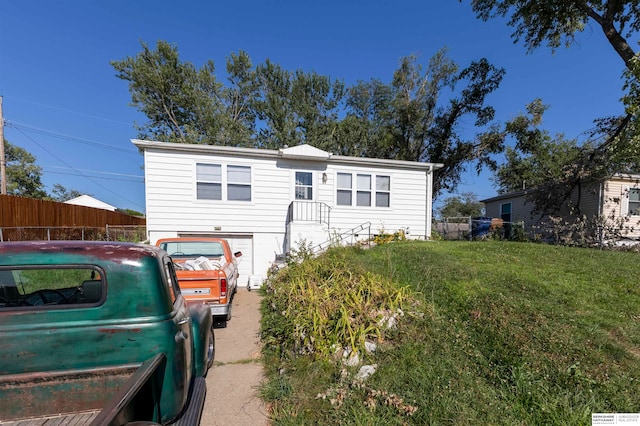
{"x": 207, "y": 271}
{"x": 78, "y": 318}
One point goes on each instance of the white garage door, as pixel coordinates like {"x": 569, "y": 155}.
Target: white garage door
{"x": 243, "y": 243}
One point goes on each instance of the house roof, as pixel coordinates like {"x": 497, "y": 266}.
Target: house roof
{"x": 301, "y": 152}
{"x": 89, "y": 201}
{"x": 516, "y": 194}
{"x": 505, "y": 196}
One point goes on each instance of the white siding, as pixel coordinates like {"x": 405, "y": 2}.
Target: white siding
{"x": 173, "y": 208}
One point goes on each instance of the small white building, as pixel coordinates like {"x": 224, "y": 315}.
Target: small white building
{"x": 269, "y": 202}
{"x": 89, "y": 201}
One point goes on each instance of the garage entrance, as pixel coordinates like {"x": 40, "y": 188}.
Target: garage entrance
{"x": 243, "y": 243}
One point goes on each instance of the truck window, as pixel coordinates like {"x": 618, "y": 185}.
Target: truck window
{"x": 192, "y": 249}
{"x": 50, "y": 287}
{"x": 170, "y": 271}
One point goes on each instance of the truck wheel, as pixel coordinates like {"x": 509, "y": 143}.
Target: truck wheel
{"x": 228, "y": 317}
{"x": 211, "y": 348}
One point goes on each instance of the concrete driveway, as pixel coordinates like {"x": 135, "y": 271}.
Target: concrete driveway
{"x": 232, "y": 383}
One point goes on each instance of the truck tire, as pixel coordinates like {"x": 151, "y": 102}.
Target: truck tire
{"x": 211, "y": 348}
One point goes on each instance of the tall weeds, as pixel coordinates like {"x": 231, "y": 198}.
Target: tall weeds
{"x": 326, "y": 304}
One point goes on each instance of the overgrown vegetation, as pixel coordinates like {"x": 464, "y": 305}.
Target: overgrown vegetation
{"x": 486, "y": 333}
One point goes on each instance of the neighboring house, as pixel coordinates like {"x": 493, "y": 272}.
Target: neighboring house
{"x": 614, "y": 203}
{"x": 269, "y": 202}
{"x": 89, "y": 201}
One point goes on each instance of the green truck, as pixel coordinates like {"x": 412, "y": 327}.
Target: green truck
{"x": 98, "y": 333}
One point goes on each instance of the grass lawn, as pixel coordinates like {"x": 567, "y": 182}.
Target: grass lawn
{"x": 489, "y": 333}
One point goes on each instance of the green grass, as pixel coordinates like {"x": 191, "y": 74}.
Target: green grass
{"x": 493, "y": 333}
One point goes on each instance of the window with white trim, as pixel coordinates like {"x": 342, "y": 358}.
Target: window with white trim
{"x": 344, "y": 187}
{"x": 505, "y": 212}
{"x": 383, "y": 191}
{"x": 634, "y": 201}
{"x": 304, "y": 186}
{"x": 208, "y": 181}
{"x": 238, "y": 183}
{"x": 370, "y": 190}
{"x": 363, "y": 194}
{"x": 223, "y": 182}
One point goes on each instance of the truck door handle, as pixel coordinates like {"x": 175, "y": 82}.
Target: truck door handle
{"x": 184, "y": 320}
{"x": 181, "y": 336}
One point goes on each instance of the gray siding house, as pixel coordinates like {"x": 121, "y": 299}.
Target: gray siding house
{"x": 612, "y": 202}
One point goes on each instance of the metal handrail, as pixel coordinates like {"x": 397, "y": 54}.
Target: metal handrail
{"x": 342, "y": 236}
{"x": 312, "y": 211}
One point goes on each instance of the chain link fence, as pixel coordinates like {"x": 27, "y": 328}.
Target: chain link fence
{"x": 130, "y": 233}
{"x": 477, "y": 228}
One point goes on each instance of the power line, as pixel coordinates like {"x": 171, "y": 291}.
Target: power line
{"x": 69, "y": 111}
{"x": 72, "y": 168}
{"x": 98, "y": 171}
{"x": 22, "y": 128}
{"x": 140, "y": 180}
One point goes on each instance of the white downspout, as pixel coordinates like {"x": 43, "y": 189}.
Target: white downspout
{"x": 429, "y": 204}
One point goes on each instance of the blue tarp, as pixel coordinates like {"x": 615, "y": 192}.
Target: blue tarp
{"x": 480, "y": 226}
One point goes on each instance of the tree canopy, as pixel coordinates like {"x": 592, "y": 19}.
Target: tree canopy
{"x": 416, "y": 116}
{"x": 24, "y": 176}
{"x": 553, "y": 165}
{"x": 463, "y": 205}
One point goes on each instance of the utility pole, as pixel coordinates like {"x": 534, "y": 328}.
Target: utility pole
{"x": 3, "y": 162}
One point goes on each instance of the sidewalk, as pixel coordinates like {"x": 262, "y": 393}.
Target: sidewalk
{"x": 233, "y": 381}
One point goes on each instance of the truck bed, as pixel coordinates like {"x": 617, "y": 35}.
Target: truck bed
{"x": 75, "y": 419}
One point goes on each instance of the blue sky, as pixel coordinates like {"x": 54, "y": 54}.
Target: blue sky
{"x": 63, "y": 103}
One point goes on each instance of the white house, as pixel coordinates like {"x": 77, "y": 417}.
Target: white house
{"x": 89, "y": 201}
{"x": 268, "y": 202}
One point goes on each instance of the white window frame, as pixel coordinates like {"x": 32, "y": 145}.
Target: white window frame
{"x": 633, "y": 206}
{"x": 379, "y": 191}
{"x": 224, "y": 182}
{"x": 203, "y": 180}
{"x": 344, "y": 189}
{"x": 297, "y": 185}
{"x": 502, "y": 213}
{"x": 363, "y": 189}
{"x": 238, "y": 183}
{"x": 357, "y": 190}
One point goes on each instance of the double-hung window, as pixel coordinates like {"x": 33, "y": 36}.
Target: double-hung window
{"x": 208, "y": 181}
{"x": 634, "y": 201}
{"x": 223, "y": 182}
{"x": 344, "y": 187}
{"x": 238, "y": 183}
{"x": 383, "y": 191}
{"x": 363, "y": 195}
{"x": 363, "y": 190}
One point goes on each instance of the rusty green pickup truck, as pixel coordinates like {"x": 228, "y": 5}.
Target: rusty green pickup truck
{"x": 98, "y": 333}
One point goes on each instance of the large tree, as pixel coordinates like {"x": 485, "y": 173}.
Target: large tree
{"x": 463, "y": 205}
{"x": 296, "y": 107}
{"x": 414, "y": 117}
{"x": 411, "y": 119}
{"x": 24, "y": 177}
{"x": 181, "y": 103}
{"x": 61, "y": 194}
{"x": 615, "y": 145}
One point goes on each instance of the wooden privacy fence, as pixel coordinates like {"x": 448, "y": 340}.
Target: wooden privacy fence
{"x": 24, "y": 218}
